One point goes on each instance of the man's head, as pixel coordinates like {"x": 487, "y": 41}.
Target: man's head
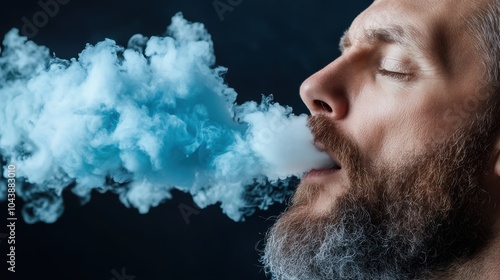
{"x": 410, "y": 112}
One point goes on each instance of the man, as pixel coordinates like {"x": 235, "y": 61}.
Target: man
{"x": 410, "y": 113}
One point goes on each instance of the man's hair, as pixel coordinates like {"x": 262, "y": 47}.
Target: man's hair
{"x": 485, "y": 26}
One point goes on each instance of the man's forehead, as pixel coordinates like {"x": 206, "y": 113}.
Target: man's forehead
{"x": 422, "y": 12}
{"x": 457, "y": 5}
{"x": 439, "y": 28}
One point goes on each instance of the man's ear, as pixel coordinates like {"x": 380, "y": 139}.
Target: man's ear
{"x": 494, "y": 184}
{"x": 496, "y": 158}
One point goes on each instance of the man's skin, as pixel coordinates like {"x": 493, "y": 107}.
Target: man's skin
{"x": 406, "y": 69}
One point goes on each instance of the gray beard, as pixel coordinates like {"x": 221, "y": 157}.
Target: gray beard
{"x": 357, "y": 247}
{"x": 408, "y": 222}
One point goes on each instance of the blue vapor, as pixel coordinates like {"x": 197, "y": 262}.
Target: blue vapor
{"x": 141, "y": 121}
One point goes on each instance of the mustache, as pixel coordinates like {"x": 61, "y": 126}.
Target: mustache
{"x": 337, "y": 143}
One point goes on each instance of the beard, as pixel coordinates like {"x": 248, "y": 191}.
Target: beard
{"x": 410, "y": 220}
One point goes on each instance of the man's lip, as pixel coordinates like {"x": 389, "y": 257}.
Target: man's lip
{"x": 321, "y": 172}
{"x": 320, "y": 146}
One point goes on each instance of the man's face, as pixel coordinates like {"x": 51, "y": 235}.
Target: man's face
{"x": 403, "y": 112}
{"x": 408, "y": 77}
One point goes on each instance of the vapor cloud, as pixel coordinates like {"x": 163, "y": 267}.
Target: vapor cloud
{"x": 141, "y": 121}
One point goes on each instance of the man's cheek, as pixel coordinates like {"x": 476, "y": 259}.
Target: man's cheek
{"x": 451, "y": 117}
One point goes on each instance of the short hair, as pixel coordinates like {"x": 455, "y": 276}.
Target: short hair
{"x": 485, "y": 27}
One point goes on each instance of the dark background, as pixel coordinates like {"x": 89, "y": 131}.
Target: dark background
{"x": 269, "y": 47}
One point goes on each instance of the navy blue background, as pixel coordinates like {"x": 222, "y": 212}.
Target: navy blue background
{"x": 269, "y": 46}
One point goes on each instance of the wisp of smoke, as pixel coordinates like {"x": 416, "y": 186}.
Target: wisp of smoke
{"x": 142, "y": 121}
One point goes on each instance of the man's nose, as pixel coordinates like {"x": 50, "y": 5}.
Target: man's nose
{"x": 325, "y": 92}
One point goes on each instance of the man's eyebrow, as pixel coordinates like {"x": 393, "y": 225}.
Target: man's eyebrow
{"x": 345, "y": 41}
{"x": 394, "y": 34}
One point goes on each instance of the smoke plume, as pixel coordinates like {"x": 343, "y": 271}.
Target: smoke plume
{"x": 141, "y": 121}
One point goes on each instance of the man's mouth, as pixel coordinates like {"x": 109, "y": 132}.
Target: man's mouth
{"x": 333, "y": 168}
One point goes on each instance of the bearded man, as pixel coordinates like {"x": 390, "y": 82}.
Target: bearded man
{"x": 410, "y": 113}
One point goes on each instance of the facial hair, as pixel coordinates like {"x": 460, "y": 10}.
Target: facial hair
{"x": 410, "y": 220}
